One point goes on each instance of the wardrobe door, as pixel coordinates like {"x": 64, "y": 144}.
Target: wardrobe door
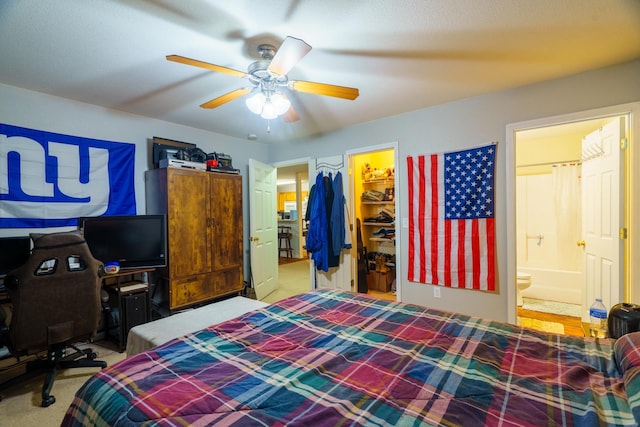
{"x": 226, "y": 216}
{"x": 188, "y": 223}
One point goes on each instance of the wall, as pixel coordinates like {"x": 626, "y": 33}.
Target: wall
{"x": 464, "y": 124}
{"x": 35, "y": 110}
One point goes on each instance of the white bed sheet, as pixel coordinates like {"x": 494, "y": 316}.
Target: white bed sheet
{"x": 152, "y": 334}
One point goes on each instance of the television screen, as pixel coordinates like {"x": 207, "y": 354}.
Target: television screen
{"x": 135, "y": 241}
{"x": 14, "y": 251}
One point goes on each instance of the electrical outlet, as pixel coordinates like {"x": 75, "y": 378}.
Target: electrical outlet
{"x": 436, "y": 292}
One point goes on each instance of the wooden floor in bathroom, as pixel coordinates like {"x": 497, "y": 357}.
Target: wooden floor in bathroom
{"x": 572, "y": 325}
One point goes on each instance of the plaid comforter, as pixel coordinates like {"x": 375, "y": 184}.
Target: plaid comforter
{"x": 336, "y": 358}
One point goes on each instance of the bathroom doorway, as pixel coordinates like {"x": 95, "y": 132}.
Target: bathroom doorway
{"x": 548, "y": 215}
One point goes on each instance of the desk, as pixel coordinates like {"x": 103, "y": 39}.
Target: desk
{"x": 129, "y": 301}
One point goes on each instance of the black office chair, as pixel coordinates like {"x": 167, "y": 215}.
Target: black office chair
{"x": 55, "y": 298}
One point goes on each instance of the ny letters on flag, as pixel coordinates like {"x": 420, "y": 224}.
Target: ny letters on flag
{"x": 451, "y": 218}
{"x": 49, "y": 180}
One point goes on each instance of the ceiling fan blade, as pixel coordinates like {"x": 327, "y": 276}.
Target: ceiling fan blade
{"x": 291, "y": 51}
{"x": 291, "y": 115}
{"x": 205, "y": 65}
{"x": 325, "y": 89}
{"x": 226, "y": 98}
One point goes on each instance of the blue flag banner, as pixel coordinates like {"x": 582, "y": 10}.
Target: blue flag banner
{"x": 49, "y": 180}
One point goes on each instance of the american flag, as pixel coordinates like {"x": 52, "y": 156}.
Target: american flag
{"x": 452, "y": 218}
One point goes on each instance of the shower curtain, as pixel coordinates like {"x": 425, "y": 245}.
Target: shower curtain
{"x": 568, "y": 208}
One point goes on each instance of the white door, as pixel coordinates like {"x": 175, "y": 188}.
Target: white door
{"x": 337, "y": 277}
{"x": 263, "y": 227}
{"x": 602, "y": 197}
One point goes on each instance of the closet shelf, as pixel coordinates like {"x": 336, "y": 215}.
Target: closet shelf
{"x": 381, "y": 239}
{"x": 381, "y": 224}
{"x": 378, "y": 180}
{"x": 383, "y": 202}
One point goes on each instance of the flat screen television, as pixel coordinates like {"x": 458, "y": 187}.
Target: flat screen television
{"x": 14, "y": 251}
{"x": 134, "y": 241}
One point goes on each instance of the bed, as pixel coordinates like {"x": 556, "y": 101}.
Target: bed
{"x": 336, "y": 358}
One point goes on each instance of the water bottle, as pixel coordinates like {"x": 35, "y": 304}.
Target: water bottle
{"x": 598, "y": 315}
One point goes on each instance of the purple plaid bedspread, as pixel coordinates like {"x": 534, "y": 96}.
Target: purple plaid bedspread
{"x": 335, "y": 358}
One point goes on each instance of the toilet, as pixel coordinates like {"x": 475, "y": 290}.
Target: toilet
{"x": 523, "y": 281}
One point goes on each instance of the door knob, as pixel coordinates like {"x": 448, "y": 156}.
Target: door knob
{"x": 254, "y": 239}
{"x": 582, "y": 243}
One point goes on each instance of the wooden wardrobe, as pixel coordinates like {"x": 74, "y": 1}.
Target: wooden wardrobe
{"x": 204, "y": 229}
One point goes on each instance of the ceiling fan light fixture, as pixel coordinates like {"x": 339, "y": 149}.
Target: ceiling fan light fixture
{"x": 280, "y": 102}
{"x": 256, "y": 101}
{"x": 269, "y": 110}
{"x": 268, "y": 104}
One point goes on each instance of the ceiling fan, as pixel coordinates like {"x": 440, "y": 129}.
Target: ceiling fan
{"x": 270, "y": 82}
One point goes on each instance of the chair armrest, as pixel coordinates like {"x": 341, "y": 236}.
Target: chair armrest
{"x": 4, "y": 329}
{"x": 11, "y": 282}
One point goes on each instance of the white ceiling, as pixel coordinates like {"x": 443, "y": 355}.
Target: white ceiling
{"x": 402, "y": 55}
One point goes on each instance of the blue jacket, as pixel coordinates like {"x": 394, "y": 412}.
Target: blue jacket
{"x": 337, "y": 216}
{"x": 318, "y": 225}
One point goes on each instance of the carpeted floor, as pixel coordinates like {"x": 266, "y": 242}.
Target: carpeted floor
{"x": 20, "y": 406}
{"x": 293, "y": 279}
{"x": 285, "y": 260}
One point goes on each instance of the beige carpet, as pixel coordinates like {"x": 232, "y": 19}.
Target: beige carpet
{"x": 20, "y": 406}
{"x": 541, "y": 325}
{"x": 293, "y": 279}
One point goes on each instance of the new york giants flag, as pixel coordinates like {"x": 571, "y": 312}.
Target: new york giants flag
{"x": 49, "y": 180}
{"x": 451, "y": 218}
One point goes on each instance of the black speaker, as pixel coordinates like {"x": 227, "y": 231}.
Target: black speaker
{"x": 623, "y": 319}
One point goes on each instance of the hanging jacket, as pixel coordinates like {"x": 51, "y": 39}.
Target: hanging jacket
{"x": 347, "y": 227}
{"x": 333, "y": 259}
{"x": 338, "y": 220}
{"x": 318, "y": 227}
{"x": 307, "y": 214}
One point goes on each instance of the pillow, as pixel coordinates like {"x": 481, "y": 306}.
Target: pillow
{"x": 627, "y": 355}
{"x": 627, "y": 352}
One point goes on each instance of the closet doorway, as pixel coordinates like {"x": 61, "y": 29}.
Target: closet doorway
{"x": 374, "y": 206}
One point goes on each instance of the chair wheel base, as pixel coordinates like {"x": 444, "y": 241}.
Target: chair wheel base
{"x": 48, "y": 401}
